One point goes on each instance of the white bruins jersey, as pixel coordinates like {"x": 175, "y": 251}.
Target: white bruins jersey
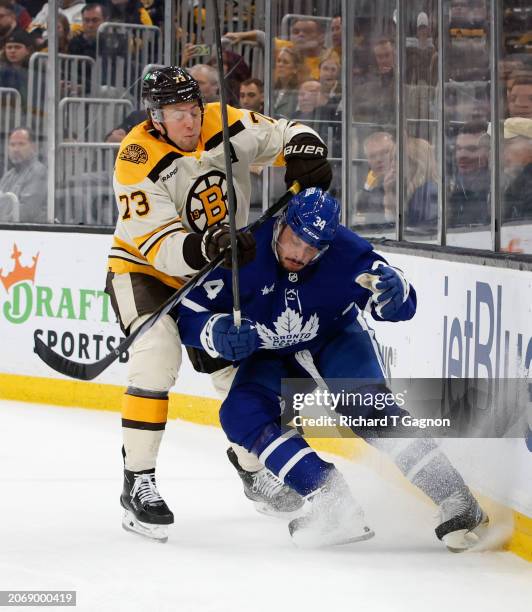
{"x": 163, "y": 193}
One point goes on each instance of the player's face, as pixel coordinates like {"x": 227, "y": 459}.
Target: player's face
{"x": 293, "y": 253}
{"x": 183, "y": 124}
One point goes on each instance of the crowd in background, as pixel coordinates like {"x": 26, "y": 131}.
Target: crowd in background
{"x": 306, "y": 86}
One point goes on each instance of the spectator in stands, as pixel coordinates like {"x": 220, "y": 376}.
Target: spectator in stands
{"x": 63, "y": 33}
{"x": 421, "y": 66}
{"x": 14, "y": 62}
{"x": 207, "y": 79}
{"x": 331, "y": 85}
{"x": 22, "y": 186}
{"x": 23, "y": 17}
{"x": 84, "y": 43}
{"x": 132, "y": 120}
{"x": 379, "y": 149}
{"x": 421, "y": 205}
{"x": 468, "y": 202}
{"x": 63, "y": 36}
{"x": 423, "y": 37}
{"x": 517, "y": 161}
{"x": 71, "y": 9}
{"x": 313, "y": 111}
{"x": 289, "y": 71}
{"x": 155, "y": 9}
{"x": 520, "y": 97}
{"x": 129, "y": 11}
{"x": 33, "y": 6}
{"x": 235, "y": 70}
{"x": 307, "y": 36}
{"x": 336, "y": 35}
{"x": 252, "y": 95}
{"x": 378, "y": 104}
{"x": 8, "y": 21}
{"x": 116, "y": 135}
{"x": 421, "y": 184}
{"x": 309, "y": 100}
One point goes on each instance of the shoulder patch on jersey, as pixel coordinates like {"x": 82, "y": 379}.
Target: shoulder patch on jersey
{"x": 134, "y": 153}
{"x": 140, "y": 153}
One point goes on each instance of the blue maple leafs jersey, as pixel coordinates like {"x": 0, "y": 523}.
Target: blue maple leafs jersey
{"x": 292, "y": 310}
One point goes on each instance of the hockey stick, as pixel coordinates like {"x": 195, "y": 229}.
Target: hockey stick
{"x": 88, "y": 371}
{"x": 231, "y": 200}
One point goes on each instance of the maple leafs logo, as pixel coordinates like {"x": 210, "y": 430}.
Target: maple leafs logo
{"x": 289, "y": 330}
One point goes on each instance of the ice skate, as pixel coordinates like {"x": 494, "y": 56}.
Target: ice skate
{"x": 269, "y": 494}
{"x": 145, "y": 511}
{"x": 462, "y": 521}
{"x": 334, "y": 518}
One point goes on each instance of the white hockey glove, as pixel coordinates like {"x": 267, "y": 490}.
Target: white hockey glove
{"x": 388, "y": 286}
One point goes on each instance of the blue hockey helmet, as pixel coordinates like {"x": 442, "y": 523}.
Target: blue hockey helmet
{"x": 313, "y": 215}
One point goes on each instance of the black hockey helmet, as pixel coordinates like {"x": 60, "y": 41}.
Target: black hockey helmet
{"x": 168, "y": 85}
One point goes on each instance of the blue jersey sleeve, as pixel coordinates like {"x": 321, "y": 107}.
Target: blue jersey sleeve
{"x": 213, "y": 296}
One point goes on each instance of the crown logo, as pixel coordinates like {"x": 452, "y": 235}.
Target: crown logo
{"x": 19, "y": 272}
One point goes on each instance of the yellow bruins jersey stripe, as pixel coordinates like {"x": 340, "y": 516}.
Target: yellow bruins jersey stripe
{"x": 142, "y": 241}
{"x": 153, "y": 249}
{"x": 212, "y": 122}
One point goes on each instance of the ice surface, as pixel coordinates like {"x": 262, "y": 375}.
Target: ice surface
{"x": 60, "y": 528}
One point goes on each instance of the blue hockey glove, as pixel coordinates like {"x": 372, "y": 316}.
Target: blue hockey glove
{"x": 389, "y": 287}
{"x": 393, "y": 291}
{"x": 228, "y": 341}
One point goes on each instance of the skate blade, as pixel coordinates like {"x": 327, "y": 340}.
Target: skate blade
{"x": 464, "y": 540}
{"x": 157, "y": 533}
{"x": 309, "y": 538}
{"x": 268, "y": 510}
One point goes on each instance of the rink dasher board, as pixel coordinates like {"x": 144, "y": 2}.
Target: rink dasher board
{"x": 53, "y": 282}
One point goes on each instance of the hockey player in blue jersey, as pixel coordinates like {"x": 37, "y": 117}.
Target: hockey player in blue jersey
{"x": 302, "y": 300}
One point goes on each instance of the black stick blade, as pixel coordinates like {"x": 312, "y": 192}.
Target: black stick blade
{"x": 81, "y": 371}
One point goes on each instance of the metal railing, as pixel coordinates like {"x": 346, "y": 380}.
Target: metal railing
{"x": 76, "y": 76}
{"x": 84, "y": 189}
{"x": 90, "y": 119}
{"x": 10, "y": 117}
{"x": 122, "y": 51}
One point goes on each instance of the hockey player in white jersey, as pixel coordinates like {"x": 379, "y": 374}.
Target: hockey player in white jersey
{"x": 170, "y": 189}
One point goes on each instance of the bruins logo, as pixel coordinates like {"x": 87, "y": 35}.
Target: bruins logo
{"x": 134, "y": 153}
{"x": 207, "y": 201}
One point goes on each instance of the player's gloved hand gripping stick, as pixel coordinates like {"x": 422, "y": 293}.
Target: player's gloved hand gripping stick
{"x": 88, "y": 371}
